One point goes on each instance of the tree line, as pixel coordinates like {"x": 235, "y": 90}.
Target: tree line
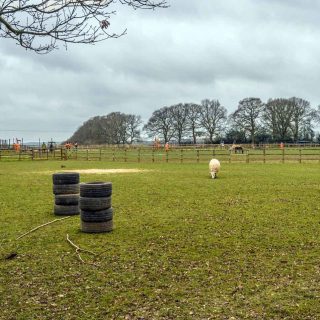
{"x": 277, "y": 120}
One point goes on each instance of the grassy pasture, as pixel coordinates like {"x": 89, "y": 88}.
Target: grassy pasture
{"x": 243, "y": 246}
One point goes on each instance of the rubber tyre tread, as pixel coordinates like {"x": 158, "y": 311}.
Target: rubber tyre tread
{"x": 66, "y": 189}
{"x": 97, "y": 216}
{"x": 94, "y": 204}
{"x": 96, "y": 189}
{"x": 60, "y": 178}
{"x": 67, "y": 199}
{"x": 96, "y": 227}
{"x": 66, "y": 210}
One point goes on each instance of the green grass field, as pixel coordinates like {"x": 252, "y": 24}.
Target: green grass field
{"x": 184, "y": 246}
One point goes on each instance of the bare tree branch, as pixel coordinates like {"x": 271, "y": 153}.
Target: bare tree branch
{"x": 43, "y": 225}
{"x": 78, "y": 249}
{"x": 40, "y": 25}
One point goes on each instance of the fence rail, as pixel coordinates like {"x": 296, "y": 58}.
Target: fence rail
{"x": 182, "y": 155}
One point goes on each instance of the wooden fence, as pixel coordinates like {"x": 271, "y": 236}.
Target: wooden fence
{"x": 182, "y": 155}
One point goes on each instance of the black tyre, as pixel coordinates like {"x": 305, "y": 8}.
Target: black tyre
{"x": 66, "y": 189}
{"x": 96, "y": 227}
{"x": 60, "y": 178}
{"x": 66, "y": 210}
{"x": 67, "y": 199}
{"x": 97, "y": 216}
{"x": 94, "y": 204}
{"x": 96, "y": 189}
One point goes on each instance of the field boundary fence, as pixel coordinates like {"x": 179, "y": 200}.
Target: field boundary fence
{"x": 175, "y": 154}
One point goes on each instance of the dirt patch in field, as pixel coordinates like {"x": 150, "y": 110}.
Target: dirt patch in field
{"x": 102, "y": 171}
{"x": 97, "y": 171}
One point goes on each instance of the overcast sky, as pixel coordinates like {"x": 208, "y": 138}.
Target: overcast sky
{"x": 196, "y": 49}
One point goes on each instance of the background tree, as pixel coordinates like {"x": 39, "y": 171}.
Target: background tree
{"x": 133, "y": 123}
{"x": 235, "y": 135}
{"x": 39, "y": 24}
{"x": 277, "y": 117}
{"x": 302, "y": 118}
{"x": 193, "y": 120}
{"x": 247, "y": 116}
{"x": 161, "y": 124}
{"x": 212, "y": 117}
{"x": 178, "y": 112}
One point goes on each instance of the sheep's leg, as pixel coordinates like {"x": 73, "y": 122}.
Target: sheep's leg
{"x": 213, "y": 175}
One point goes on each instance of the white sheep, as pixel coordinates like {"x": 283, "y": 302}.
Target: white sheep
{"x": 214, "y": 167}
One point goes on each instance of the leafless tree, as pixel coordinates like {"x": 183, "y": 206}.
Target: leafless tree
{"x": 39, "y": 25}
{"x": 212, "y": 117}
{"x": 278, "y": 116}
{"x": 302, "y": 117}
{"x": 193, "y": 120}
{"x": 133, "y": 123}
{"x": 247, "y": 116}
{"x": 161, "y": 124}
{"x": 179, "y": 118}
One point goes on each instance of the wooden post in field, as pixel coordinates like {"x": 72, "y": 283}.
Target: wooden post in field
{"x": 300, "y": 155}
{"x": 283, "y": 155}
{"x": 264, "y": 155}
{"x": 113, "y": 155}
{"x": 139, "y": 155}
{"x": 197, "y": 156}
{"x": 19, "y": 154}
{"x": 47, "y": 150}
{"x": 167, "y": 156}
{"x": 61, "y": 154}
{"x": 0, "y": 154}
{"x": 213, "y": 153}
{"x": 125, "y": 155}
{"x": 230, "y": 156}
{"x": 100, "y": 154}
{"x": 247, "y": 156}
{"x": 152, "y": 155}
{"x": 181, "y": 155}
{"x": 87, "y": 154}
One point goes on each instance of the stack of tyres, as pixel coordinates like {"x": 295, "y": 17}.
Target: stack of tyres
{"x": 95, "y": 205}
{"x": 66, "y": 190}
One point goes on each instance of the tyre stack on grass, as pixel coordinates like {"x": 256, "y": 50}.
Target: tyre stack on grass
{"x": 66, "y": 190}
{"x": 95, "y": 205}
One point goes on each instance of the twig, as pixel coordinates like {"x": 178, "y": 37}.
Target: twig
{"x": 43, "y": 225}
{"x": 78, "y": 250}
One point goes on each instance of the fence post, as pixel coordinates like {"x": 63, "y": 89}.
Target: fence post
{"x": 113, "y": 155}
{"x": 213, "y": 152}
{"x": 0, "y": 154}
{"x": 247, "y": 156}
{"x": 197, "y": 156}
{"x": 139, "y": 154}
{"x": 61, "y": 154}
{"x": 152, "y": 155}
{"x": 87, "y": 154}
{"x": 264, "y": 155}
{"x": 283, "y": 155}
{"x": 125, "y": 155}
{"x": 19, "y": 154}
{"x": 100, "y": 152}
{"x": 230, "y": 156}
{"x": 181, "y": 155}
{"x": 167, "y": 156}
{"x": 300, "y": 155}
